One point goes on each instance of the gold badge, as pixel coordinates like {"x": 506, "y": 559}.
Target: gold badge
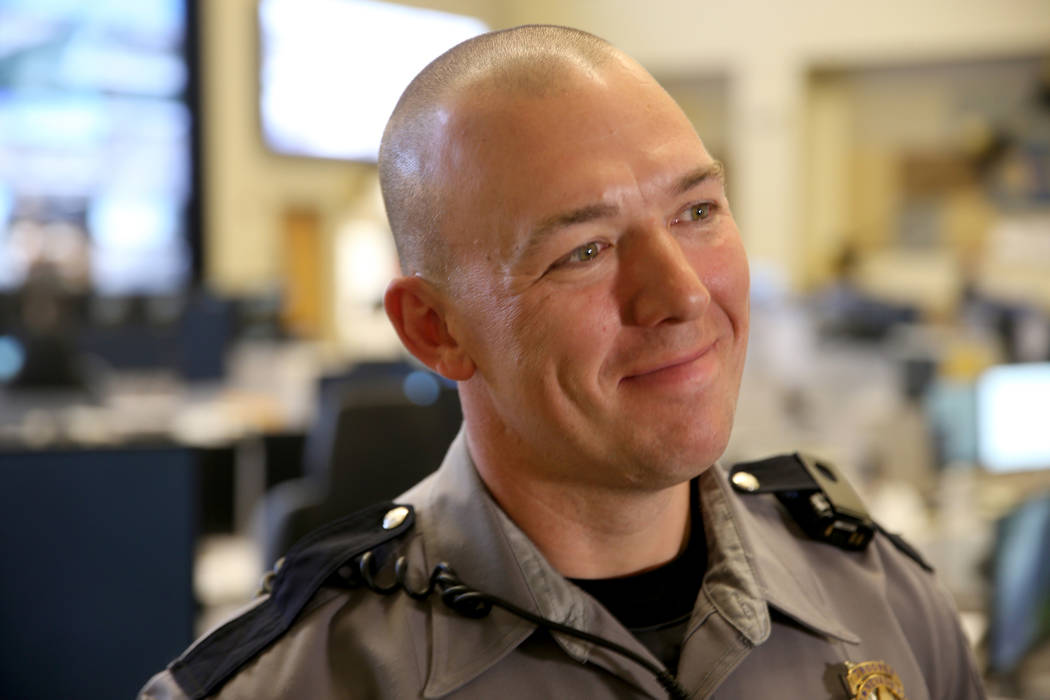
{"x": 873, "y": 680}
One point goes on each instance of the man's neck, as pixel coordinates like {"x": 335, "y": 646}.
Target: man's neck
{"x": 589, "y": 532}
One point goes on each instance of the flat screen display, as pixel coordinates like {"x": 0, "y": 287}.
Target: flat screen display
{"x": 1012, "y": 428}
{"x": 331, "y": 71}
{"x": 96, "y": 143}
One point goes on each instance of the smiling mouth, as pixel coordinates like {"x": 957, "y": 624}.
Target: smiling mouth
{"x": 683, "y": 366}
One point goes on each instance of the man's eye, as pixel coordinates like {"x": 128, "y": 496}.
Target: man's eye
{"x": 584, "y": 254}
{"x": 696, "y": 212}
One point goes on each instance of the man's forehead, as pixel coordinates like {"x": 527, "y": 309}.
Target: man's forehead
{"x": 487, "y": 118}
{"x": 525, "y": 160}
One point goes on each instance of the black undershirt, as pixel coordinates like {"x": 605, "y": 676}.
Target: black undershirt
{"x": 655, "y": 605}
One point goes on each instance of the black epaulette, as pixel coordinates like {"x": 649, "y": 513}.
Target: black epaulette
{"x": 203, "y": 668}
{"x": 819, "y": 498}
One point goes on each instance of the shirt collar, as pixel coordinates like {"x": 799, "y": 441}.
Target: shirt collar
{"x": 750, "y": 559}
{"x": 763, "y": 549}
{"x": 461, "y": 524}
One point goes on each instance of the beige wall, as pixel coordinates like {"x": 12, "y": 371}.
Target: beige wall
{"x": 249, "y": 187}
{"x": 763, "y": 49}
{"x": 766, "y": 49}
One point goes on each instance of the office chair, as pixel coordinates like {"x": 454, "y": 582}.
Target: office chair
{"x": 371, "y": 442}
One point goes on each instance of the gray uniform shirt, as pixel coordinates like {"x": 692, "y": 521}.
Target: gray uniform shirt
{"x": 777, "y": 616}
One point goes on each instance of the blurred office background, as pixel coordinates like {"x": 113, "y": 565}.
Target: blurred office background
{"x": 194, "y": 363}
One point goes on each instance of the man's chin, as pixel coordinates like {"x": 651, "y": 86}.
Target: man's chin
{"x": 667, "y": 466}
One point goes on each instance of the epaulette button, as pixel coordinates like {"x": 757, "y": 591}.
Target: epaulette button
{"x": 394, "y": 517}
{"x": 745, "y": 481}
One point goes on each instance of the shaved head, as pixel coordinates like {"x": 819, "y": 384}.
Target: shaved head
{"x": 570, "y": 259}
{"x": 529, "y": 60}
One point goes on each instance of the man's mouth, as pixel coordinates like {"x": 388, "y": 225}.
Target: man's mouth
{"x": 676, "y": 368}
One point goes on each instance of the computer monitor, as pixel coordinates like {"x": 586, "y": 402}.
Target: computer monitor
{"x": 1012, "y": 432}
{"x": 99, "y": 175}
{"x": 331, "y": 71}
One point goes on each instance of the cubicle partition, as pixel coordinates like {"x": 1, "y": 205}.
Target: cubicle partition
{"x": 96, "y": 584}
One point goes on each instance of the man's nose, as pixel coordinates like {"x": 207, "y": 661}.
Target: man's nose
{"x": 658, "y": 282}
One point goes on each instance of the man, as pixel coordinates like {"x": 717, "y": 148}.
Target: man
{"x": 570, "y": 259}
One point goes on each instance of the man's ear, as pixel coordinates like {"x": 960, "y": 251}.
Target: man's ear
{"x": 418, "y": 314}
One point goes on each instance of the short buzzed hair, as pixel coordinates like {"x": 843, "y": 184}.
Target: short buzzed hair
{"x": 529, "y": 60}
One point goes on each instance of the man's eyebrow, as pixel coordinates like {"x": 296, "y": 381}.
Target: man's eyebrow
{"x": 716, "y": 170}
{"x": 575, "y": 216}
{"x": 600, "y": 210}
{"x": 551, "y": 224}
